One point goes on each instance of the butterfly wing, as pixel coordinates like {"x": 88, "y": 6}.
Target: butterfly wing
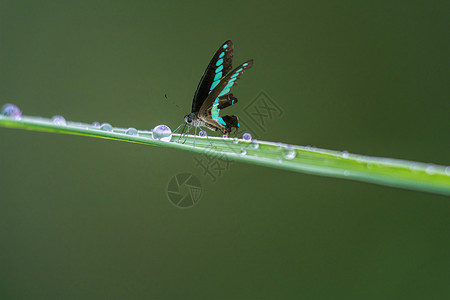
{"x": 220, "y": 98}
{"x": 218, "y": 67}
{"x": 226, "y": 100}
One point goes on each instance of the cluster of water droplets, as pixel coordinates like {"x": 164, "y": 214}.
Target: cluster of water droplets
{"x": 247, "y": 137}
{"x": 160, "y": 132}
{"x": 164, "y": 133}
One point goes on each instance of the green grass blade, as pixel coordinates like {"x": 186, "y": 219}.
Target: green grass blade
{"x": 385, "y": 171}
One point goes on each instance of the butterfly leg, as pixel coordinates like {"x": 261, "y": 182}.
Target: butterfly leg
{"x": 195, "y": 135}
{"x": 209, "y": 141}
{"x": 186, "y": 135}
{"x": 181, "y": 134}
{"x": 178, "y": 128}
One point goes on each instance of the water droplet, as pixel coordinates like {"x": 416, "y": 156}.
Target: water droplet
{"x": 59, "y": 120}
{"x": 346, "y": 173}
{"x": 243, "y": 151}
{"x": 279, "y": 160}
{"x": 106, "y": 127}
{"x": 254, "y": 145}
{"x": 202, "y": 133}
{"x": 447, "y": 170}
{"x": 431, "y": 169}
{"x": 162, "y": 133}
{"x": 415, "y": 168}
{"x": 247, "y": 136}
{"x": 12, "y": 111}
{"x": 289, "y": 152}
{"x": 225, "y": 136}
{"x": 345, "y": 154}
{"x": 235, "y": 141}
{"x": 131, "y": 131}
{"x": 96, "y": 124}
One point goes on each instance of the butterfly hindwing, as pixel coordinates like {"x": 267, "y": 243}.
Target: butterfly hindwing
{"x": 230, "y": 123}
{"x": 218, "y": 99}
{"x": 226, "y": 125}
{"x": 218, "y": 67}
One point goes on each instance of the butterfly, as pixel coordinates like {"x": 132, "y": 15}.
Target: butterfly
{"x": 213, "y": 92}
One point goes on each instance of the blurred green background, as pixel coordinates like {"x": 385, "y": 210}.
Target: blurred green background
{"x": 85, "y": 218}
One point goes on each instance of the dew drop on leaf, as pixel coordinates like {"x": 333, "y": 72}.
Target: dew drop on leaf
{"x": 254, "y": 145}
{"x": 431, "y": 169}
{"x": 131, "y": 131}
{"x": 162, "y": 133}
{"x": 106, "y": 127}
{"x": 447, "y": 170}
{"x": 59, "y": 120}
{"x": 289, "y": 152}
{"x": 12, "y": 111}
{"x": 247, "y": 136}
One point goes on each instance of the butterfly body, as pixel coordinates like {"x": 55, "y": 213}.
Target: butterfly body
{"x": 213, "y": 92}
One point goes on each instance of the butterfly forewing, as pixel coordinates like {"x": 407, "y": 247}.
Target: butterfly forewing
{"x": 218, "y": 67}
{"x": 220, "y": 98}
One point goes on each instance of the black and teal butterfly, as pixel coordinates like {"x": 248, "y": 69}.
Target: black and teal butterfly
{"x": 213, "y": 92}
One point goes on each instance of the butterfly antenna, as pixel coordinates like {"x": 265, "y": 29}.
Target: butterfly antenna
{"x": 173, "y": 103}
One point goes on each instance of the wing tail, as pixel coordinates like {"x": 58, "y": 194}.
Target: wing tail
{"x": 230, "y": 123}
